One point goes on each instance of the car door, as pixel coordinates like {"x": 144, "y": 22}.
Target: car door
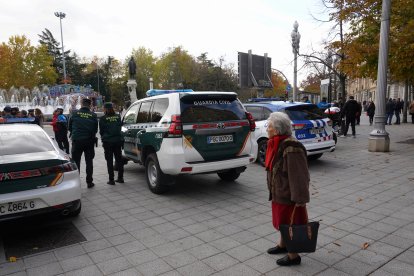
{"x": 140, "y": 132}
{"x": 128, "y": 129}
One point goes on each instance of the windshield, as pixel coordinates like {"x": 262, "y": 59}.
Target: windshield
{"x": 211, "y": 110}
{"x": 18, "y": 142}
{"x": 305, "y": 112}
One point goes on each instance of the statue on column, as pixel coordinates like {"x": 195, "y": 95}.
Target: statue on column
{"x": 132, "y": 68}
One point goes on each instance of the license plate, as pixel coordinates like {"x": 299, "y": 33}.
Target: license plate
{"x": 316, "y": 130}
{"x": 16, "y": 207}
{"x": 219, "y": 139}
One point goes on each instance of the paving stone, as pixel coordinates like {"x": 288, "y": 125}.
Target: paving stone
{"x": 104, "y": 255}
{"x": 333, "y": 272}
{"x": 166, "y": 249}
{"x": 354, "y": 267}
{"x": 198, "y": 268}
{"x": 141, "y": 257}
{"x": 326, "y": 256}
{"x": 45, "y": 270}
{"x": 39, "y": 259}
{"x": 8, "y": 268}
{"x": 96, "y": 245}
{"x": 239, "y": 270}
{"x": 399, "y": 268}
{"x": 225, "y": 243}
{"x": 220, "y": 261}
{"x": 130, "y": 247}
{"x": 154, "y": 268}
{"x": 243, "y": 253}
{"x": 203, "y": 251}
{"x": 209, "y": 235}
{"x": 310, "y": 266}
{"x": 121, "y": 239}
{"x": 127, "y": 272}
{"x": 261, "y": 263}
{"x": 92, "y": 270}
{"x": 114, "y": 265}
{"x": 179, "y": 259}
{"x": 76, "y": 262}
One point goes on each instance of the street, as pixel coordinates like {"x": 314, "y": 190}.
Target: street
{"x": 204, "y": 226}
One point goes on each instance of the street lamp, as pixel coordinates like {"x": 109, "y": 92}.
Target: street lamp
{"x": 62, "y": 15}
{"x": 295, "y": 46}
{"x": 329, "y": 61}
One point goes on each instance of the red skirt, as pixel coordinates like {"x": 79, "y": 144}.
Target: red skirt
{"x": 281, "y": 214}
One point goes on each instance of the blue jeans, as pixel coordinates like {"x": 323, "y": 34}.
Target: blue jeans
{"x": 389, "y": 117}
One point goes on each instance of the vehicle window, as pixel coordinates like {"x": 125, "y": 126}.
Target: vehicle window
{"x": 144, "y": 111}
{"x": 158, "y": 109}
{"x": 131, "y": 114}
{"x": 256, "y": 111}
{"x": 266, "y": 113}
{"x": 305, "y": 112}
{"x": 19, "y": 142}
{"x": 211, "y": 110}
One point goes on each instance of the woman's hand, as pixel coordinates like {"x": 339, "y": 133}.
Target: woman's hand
{"x": 300, "y": 205}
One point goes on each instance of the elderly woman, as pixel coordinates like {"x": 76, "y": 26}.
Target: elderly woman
{"x": 287, "y": 180}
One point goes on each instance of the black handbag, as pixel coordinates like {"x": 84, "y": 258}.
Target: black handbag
{"x": 300, "y": 238}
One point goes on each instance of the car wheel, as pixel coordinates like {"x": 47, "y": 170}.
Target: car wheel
{"x": 156, "y": 179}
{"x": 229, "y": 175}
{"x": 76, "y": 212}
{"x": 315, "y": 156}
{"x": 261, "y": 152}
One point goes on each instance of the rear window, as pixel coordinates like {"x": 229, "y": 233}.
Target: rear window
{"x": 305, "y": 112}
{"x": 19, "y": 142}
{"x": 211, "y": 109}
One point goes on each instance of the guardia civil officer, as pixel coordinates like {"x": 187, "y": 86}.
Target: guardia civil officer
{"x": 112, "y": 141}
{"x": 83, "y": 126}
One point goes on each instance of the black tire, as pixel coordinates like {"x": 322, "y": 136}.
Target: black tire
{"x": 261, "y": 152}
{"x": 315, "y": 156}
{"x": 156, "y": 179}
{"x": 229, "y": 175}
{"x": 76, "y": 212}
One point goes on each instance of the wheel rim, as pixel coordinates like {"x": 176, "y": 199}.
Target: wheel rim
{"x": 152, "y": 174}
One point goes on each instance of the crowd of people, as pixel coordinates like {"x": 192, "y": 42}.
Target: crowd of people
{"x": 82, "y": 127}
{"x": 15, "y": 112}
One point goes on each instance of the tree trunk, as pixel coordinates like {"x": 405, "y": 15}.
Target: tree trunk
{"x": 404, "y": 120}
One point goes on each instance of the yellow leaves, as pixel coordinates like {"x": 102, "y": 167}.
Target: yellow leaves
{"x": 365, "y": 245}
{"x": 12, "y": 259}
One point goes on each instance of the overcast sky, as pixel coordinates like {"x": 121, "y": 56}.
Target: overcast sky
{"x": 219, "y": 27}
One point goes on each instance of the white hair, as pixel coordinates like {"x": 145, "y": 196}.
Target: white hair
{"x": 281, "y": 122}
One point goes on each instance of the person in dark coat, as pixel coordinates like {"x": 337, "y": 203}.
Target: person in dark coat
{"x": 358, "y": 115}
{"x": 399, "y": 105}
{"x": 287, "y": 180}
{"x": 389, "y": 111}
{"x": 112, "y": 141}
{"x": 371, "y": 112}
{"x": 61, "y": 134}
{"x": 83, "y": 126}
{"x": 350, "y": 110}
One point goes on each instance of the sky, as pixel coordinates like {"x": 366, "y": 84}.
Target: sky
{"x": 222, "y": 28}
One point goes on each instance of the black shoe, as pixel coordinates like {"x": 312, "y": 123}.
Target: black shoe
{"x": 90, "y": 185}
{"x": 120, "y": 180}
{"x": 110, "y": 182}
{"x": 285, "y": 261}
{"x": 276, "y": 250}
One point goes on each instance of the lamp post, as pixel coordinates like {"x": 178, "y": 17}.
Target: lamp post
{"x": 379, "y": 140}
{"x": 62, "y": 15}
{"x": 295, "y": 46}
{"x": 329, "y": 61}
{"x": 151, "y": 83}
{"x": 97, "y": 74}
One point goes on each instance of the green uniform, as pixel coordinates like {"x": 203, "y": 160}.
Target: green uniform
{"x": 83, "y": 124}
{"x": 110, "y": 128}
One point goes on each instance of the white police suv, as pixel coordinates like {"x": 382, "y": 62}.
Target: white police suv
{"x": 310, "y": 126}
{"x": 175, "y": 132}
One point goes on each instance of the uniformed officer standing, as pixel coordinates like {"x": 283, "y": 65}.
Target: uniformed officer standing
{"x": 112, "y": 141}
{"x": 83, "y": 126}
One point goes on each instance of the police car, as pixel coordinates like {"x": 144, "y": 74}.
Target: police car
{"x": 309, "y": 124}
{"x": 35, "y": 175}
{"x": 175, "y": 132}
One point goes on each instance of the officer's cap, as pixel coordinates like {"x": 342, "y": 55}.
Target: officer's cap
{"x": 108, "y": 105}
{"x": 86, "y": 101}
{"x": 30, "y": 110}
{"x": 7, "y": 108}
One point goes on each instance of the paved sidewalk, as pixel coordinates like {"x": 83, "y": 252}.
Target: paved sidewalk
{"x": 207, "y": 227}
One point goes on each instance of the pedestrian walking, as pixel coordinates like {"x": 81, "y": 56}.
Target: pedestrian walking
{"x": 112, "y": 141}
{"x": 61, "y": 133}
{"x": 358, "y": 115}
{"x": 287, "y": 180}
{"x": 83, "y": 126}
{"x": 350, "y": 110}
{"x": 371, "y": 112}
{"x": 398, "y": 110}
{"x": 411, "y": 109}
{"x": 389, "y": 111}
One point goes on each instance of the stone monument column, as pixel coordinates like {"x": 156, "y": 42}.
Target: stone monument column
{"x": 132, "y": 83}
